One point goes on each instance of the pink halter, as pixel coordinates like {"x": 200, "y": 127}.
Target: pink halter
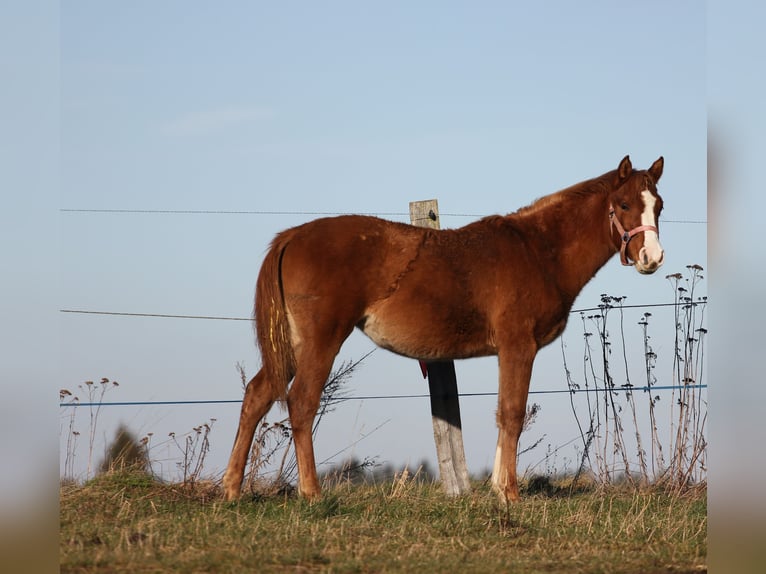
{"x": 627, "y": 235}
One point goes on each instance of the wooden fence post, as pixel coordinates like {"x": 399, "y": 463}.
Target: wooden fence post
{"x": 442, "y": 386}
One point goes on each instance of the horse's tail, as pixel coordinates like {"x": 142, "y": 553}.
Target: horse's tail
{"x": 271, "y": 324}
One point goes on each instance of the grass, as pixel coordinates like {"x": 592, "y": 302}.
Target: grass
{"x": 130, "y": 523}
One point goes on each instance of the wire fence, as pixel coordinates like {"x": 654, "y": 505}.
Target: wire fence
{"x": 594, "y": 391}
{"x": 601, "y": 429}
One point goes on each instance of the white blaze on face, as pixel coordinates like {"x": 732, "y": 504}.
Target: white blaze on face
{"x": 652, "y": 254}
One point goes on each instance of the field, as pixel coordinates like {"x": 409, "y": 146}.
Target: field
{"x": 130, "y": 523}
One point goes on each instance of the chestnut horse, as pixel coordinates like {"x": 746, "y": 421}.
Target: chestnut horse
{"x": 503, "y": 285}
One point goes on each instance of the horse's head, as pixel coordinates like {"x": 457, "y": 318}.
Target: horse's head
{"x": 634, "y": 212}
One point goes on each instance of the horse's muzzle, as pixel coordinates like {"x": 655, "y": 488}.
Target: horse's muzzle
{"x": 648, "y": 264}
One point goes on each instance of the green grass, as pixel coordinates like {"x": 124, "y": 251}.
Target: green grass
{"x": 120, "y": 523}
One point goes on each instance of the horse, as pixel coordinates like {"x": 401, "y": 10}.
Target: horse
{"x": 501, "y": 285}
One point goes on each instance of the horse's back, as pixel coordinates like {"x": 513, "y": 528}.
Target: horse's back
{"x": 348, "y": 249}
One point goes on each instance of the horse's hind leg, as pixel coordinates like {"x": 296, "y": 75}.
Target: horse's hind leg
{"x": 257, "y": 402}
{"x": 302, "y": 403}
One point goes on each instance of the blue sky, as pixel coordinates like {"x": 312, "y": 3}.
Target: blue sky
{"x": 341, "y": 107}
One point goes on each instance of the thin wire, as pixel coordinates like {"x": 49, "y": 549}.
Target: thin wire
{"x": 266, "y": 212}
{"x": 155, "y": 315}
{"x": 221, "y": 318}
{"x": 676, "y": 304}
{"x": 379, "y": 397}
{"x": 221, "y": 212}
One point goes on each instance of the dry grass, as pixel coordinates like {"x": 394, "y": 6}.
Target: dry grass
{"x": 123, "y": 523}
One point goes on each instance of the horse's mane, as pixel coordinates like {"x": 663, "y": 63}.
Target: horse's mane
{"x": 572, "y": 195}
{"x": 587, "y": 188}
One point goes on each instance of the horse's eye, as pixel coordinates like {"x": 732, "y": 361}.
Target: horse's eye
{"x": 624, "y": 206}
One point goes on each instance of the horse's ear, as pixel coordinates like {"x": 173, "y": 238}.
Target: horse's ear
{"x": 625, "y": 169}
{"x": 656, "y": 170}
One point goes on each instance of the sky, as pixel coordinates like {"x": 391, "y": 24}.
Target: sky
{"x": 286, "y": 112}
{"x": 345, "y": 108}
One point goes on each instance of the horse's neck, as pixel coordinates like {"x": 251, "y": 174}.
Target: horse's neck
{"x": 577, "y": 239}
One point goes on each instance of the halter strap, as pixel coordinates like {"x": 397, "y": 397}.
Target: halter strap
{"x": 626, "y": 236}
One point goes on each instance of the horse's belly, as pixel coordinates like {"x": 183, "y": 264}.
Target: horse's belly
{"x": 376, "y": 331}
{"x": 422, "y": 340}
{"x": 383, "y": 335}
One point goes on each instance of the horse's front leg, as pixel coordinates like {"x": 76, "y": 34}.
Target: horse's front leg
{"x": 515, "y": 364}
